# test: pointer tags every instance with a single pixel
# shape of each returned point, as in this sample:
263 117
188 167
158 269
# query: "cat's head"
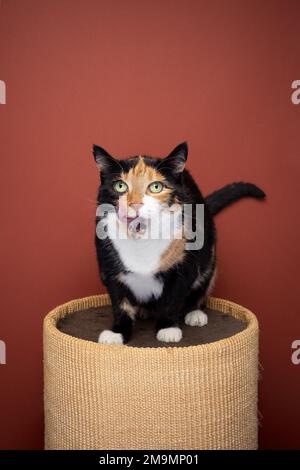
141 187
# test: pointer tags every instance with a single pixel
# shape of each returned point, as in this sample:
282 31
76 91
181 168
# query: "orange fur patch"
138 180
128 308
174 254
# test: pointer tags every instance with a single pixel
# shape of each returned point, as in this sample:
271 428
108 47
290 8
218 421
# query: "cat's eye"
120 187
156 187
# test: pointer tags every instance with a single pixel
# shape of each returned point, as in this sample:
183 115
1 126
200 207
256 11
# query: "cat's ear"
176 160
105 162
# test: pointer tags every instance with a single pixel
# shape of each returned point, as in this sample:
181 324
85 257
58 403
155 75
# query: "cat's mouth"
135 224
129 220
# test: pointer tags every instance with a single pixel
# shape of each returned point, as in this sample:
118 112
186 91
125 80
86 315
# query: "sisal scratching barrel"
120 397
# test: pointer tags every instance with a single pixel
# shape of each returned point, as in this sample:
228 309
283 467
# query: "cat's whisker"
92 201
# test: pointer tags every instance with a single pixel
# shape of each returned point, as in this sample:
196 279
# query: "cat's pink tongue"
124 215
129 220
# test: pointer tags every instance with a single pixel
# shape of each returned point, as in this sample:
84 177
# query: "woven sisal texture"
119 397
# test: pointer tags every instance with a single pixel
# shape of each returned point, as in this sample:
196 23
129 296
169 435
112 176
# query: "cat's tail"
223 197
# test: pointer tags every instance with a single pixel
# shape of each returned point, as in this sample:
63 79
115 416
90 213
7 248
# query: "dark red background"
140 77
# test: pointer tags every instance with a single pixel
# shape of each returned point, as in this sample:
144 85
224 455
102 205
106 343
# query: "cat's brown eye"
120 187
156 187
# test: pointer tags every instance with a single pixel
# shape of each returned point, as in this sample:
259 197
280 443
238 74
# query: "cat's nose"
134 209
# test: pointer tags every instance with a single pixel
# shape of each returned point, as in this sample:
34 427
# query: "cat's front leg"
168 309
121 330
124 313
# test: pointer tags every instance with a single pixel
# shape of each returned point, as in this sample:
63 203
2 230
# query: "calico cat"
157 274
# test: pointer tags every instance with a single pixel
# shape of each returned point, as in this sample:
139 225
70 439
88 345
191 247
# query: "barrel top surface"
224 306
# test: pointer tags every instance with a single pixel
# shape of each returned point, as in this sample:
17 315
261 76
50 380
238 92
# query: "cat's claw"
110 337
169 335
196 318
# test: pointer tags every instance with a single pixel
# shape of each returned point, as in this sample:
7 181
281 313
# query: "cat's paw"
196 318
110 337
169 335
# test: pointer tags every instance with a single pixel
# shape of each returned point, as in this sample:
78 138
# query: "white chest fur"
141 257
143 287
